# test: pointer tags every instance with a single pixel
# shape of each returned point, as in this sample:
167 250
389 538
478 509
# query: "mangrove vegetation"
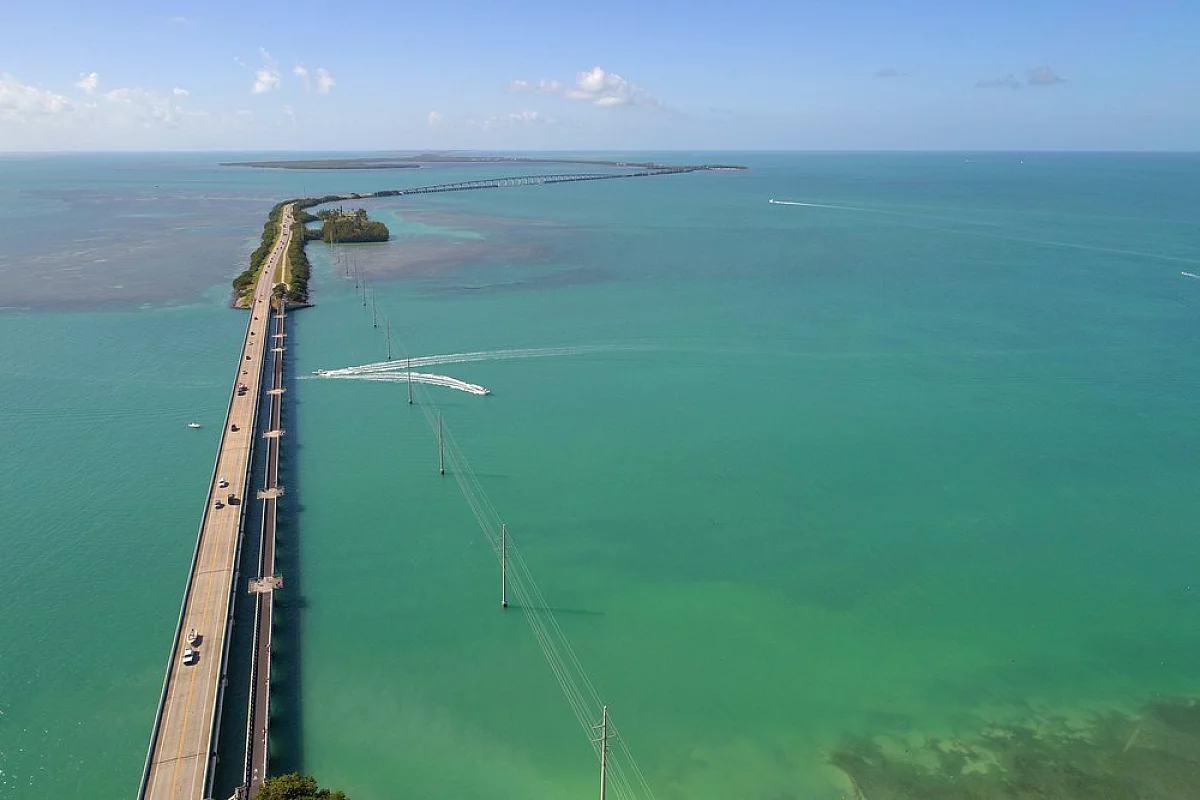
295 786
243 284
351 227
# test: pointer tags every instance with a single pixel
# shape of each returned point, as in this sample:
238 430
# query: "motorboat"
193 424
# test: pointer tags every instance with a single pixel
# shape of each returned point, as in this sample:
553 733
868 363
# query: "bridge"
516 180
182 755
258 720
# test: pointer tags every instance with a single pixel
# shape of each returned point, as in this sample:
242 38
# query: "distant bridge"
518 180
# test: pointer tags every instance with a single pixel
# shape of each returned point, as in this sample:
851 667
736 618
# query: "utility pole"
409 378
441 448
374 316
503 565
603 741
389 346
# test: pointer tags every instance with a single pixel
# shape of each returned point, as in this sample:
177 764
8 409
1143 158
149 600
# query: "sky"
607 75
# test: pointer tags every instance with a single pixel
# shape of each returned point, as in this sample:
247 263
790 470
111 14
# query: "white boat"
193 424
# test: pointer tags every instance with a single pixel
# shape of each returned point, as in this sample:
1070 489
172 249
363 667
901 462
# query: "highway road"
180 760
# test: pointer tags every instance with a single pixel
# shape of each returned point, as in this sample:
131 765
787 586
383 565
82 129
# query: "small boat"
193 424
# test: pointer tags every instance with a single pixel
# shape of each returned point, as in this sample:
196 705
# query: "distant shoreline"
415 162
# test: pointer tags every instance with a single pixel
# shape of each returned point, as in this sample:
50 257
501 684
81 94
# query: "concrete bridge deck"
181 757
258 726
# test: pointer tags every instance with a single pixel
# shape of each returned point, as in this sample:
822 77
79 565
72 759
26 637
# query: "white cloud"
596 86
320 79
301 72
541 87
1038 76
22 103
88 81
239 62
435 119
1009 81
145 106
35 118
1043 76
516 118
325 81
266 78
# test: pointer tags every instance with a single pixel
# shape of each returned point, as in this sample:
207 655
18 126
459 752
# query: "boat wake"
1189 275
416 377
820 205
400 371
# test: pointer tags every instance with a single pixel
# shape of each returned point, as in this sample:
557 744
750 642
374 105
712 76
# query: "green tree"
295 786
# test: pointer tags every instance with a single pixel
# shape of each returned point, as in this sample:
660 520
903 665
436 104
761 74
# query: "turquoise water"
909 461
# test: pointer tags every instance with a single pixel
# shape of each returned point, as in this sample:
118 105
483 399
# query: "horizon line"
443 151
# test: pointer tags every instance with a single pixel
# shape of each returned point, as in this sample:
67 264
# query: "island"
338 226
342 227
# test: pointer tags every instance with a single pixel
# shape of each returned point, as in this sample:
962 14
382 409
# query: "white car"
190 657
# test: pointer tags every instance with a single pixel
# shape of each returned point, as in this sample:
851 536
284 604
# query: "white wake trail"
821 205
417 377
397 370
400 365
404 364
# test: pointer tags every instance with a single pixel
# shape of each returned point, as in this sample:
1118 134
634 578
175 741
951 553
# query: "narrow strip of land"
180 760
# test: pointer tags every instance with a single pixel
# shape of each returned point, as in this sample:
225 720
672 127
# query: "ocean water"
910 458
